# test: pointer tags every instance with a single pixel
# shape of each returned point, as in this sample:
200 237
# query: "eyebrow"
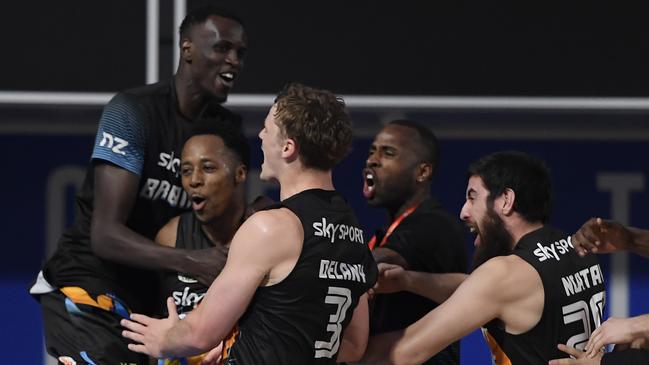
470 192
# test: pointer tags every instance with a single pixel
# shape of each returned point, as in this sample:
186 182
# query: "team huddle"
168 262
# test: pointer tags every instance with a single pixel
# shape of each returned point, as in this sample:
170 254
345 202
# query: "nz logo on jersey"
113 143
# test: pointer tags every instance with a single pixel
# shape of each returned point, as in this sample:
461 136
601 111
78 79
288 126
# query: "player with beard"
420 236
536 293
104 264
297 273
213 167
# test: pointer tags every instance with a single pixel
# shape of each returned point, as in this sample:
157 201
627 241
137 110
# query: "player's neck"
222 229
519 227
190 98
296 181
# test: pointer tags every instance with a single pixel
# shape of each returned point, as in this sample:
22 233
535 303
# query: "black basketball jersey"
142 131
573 305
186 291
301 319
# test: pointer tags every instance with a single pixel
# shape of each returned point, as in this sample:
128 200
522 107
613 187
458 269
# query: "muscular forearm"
181 340
436 287
119 244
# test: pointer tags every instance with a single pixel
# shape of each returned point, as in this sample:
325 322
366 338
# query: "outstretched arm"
249 263
618 331
604 236
436 287
115 195
475 302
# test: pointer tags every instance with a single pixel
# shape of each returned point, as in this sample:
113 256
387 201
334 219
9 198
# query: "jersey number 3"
342 298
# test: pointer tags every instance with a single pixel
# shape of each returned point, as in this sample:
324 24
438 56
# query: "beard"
495 240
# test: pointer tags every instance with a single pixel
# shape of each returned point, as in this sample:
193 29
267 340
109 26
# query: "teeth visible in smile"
228 76
472 229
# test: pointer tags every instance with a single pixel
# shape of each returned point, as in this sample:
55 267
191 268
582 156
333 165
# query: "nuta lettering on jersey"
337 231
554 250
582 280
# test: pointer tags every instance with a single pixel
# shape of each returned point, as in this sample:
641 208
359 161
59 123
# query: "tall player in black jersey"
213 166
297 274
530 290
100 270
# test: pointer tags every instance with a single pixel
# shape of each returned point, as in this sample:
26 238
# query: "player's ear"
424 172
186 47
289 150
240 174
508 200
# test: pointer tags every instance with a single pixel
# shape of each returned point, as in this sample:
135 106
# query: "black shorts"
84 333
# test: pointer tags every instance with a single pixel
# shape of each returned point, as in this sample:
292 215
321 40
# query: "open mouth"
198 202
227 78
474 230
368 184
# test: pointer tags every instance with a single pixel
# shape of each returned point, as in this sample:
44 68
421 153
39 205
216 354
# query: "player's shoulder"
272 220
506 268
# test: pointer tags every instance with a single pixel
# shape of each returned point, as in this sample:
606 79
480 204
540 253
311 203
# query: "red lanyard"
392 227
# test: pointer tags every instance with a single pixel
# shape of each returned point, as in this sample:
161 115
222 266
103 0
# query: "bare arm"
475 302
250 263
115 195
354 341
436 287
618 331
603 236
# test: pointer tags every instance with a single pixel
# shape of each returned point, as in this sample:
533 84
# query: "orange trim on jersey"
498 356
80 296
392 227
228 342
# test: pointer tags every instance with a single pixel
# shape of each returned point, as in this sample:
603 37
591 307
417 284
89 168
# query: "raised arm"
250 264
436 287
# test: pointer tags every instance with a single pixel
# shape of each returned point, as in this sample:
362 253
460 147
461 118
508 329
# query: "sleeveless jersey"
573 305
186 291
141 131
301 319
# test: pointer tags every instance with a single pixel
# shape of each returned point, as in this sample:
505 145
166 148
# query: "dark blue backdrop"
30 161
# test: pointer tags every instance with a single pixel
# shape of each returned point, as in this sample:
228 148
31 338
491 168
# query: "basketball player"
297 273
213 167
101 269
530 290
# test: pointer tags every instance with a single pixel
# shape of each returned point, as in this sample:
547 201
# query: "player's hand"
391 279
613 331
601 236
580 357
214 356
149 333
207 263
